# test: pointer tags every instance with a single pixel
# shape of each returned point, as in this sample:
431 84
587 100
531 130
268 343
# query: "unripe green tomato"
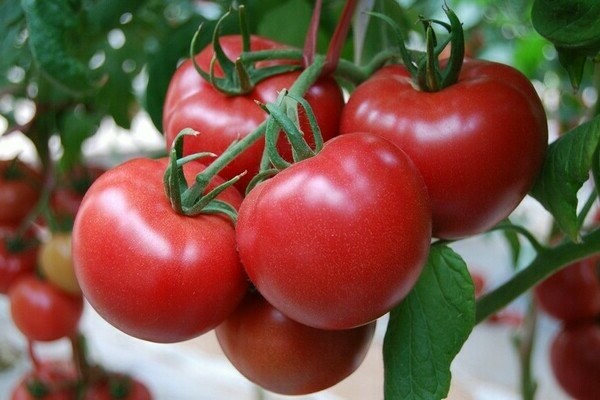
56 263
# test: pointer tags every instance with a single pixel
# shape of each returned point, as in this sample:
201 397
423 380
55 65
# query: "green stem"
542 266
537 246
525 344
305 80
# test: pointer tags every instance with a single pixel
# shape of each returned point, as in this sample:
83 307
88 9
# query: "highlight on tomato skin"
286 357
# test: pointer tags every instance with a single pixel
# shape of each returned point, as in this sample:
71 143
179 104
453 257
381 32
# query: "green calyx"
241 75
425 68
190 200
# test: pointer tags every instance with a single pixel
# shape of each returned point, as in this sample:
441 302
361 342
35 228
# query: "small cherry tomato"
18 256
286 357
573 293
20 187
43 312
575 359
118 387
48 381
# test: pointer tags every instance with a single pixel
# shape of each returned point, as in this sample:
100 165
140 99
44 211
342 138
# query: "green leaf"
54 29
427 330
287 22
566 168
572 26
568 23
514 245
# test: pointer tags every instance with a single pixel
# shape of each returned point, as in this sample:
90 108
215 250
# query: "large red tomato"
18 256
335 241
20 187
286 357
147 270
42 312
192 102
575 360
479 143
573 293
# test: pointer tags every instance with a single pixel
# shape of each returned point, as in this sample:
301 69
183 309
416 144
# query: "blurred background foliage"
74 63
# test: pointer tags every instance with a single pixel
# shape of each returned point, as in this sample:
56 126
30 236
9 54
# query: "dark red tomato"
479 143
575 360
43 312
118 387
335 241
149 271
286 357
49 381
20 187
573 293
192 102
18 256
66 198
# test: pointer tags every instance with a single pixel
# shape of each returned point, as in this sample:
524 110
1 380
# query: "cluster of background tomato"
37 276
572 296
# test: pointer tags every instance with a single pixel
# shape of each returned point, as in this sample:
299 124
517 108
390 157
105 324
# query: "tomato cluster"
572 296
324 247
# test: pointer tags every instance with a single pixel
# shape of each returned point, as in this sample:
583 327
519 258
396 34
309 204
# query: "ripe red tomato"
16 261
149 271
58 380
286 357
479 143
43 312
575 360
118 387
20 187
337 240
191 102
573 293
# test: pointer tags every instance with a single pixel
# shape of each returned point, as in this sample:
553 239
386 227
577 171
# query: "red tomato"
575 360
41 311
479 143
149 271
337 240
66 198
118 387
16 261
57 380
573 293
286 357
20 187
191 102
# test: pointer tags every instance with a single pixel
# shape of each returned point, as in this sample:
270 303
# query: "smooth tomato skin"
337 240
43 312
287 357
102 391
575 360
191 102
14 264
20 188
56 263
573 293
479 143
150 272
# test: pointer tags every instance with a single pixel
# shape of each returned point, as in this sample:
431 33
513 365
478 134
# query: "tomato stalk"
190 199
240 75
543 265
426 71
